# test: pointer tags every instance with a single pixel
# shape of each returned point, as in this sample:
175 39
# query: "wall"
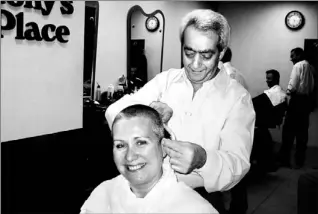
42 82
111 48
260 41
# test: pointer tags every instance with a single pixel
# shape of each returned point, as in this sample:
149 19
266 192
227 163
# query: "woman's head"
137 133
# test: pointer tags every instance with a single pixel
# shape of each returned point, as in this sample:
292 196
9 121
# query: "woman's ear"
164 154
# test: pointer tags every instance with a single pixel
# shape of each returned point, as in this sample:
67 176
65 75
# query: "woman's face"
137 151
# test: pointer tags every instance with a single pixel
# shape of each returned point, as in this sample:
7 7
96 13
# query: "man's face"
293 57
137 151
200 54
270 80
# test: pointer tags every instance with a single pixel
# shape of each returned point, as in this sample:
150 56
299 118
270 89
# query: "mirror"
90 44
145 40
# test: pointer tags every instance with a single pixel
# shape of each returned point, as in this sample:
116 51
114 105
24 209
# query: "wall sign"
31 31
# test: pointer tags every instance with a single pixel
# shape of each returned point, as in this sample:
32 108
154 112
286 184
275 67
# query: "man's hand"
163 109
184 156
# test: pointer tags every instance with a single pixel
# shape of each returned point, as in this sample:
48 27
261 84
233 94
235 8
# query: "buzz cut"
144 111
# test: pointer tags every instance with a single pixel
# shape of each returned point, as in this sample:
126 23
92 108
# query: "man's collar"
220 80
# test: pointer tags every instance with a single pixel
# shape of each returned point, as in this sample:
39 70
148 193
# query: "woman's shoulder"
99 199
189 201
107 186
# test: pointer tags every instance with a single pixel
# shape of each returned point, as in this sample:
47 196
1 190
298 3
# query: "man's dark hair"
139 110
275 74
227 56
299 52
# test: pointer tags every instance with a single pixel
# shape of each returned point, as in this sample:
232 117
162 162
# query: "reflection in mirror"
90 43
145 38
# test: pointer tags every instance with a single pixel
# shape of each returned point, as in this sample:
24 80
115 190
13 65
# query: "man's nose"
197 61
131 154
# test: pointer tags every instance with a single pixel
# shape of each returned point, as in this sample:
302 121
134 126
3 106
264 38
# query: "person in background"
211 115
145 184
270 108
268 104
230 70
299 90
275 93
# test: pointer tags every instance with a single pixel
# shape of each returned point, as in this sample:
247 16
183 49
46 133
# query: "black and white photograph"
159 107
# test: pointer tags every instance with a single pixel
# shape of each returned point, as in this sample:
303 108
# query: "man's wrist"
202 158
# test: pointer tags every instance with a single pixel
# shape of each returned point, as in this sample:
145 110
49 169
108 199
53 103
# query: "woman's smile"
133 168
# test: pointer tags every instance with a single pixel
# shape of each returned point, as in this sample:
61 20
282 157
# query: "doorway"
311 55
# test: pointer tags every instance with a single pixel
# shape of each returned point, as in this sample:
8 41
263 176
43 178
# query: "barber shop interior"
159 107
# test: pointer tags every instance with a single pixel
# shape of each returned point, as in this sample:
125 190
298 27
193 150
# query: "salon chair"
267 117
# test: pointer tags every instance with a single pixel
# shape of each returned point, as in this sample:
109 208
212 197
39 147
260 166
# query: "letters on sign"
30 30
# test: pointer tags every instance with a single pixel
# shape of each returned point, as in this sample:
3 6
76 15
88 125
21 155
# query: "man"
299 89
145 184
211 115
270 108
274 92
268 104
230 70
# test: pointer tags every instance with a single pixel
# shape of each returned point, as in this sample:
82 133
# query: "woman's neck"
142 190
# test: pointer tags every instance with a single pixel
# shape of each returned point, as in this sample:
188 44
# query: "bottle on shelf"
98 93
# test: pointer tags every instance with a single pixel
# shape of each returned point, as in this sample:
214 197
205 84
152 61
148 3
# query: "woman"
145 183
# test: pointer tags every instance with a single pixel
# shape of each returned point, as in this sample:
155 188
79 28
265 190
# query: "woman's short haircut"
144 111
207 20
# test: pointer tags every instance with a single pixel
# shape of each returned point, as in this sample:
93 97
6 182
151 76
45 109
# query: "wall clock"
152 23
294 20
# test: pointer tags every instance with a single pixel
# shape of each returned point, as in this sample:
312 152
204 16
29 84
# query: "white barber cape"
167 196
276 95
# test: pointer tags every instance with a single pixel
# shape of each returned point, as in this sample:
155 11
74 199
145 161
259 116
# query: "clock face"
152 23
294 20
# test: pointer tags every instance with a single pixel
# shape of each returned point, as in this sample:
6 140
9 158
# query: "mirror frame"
129 15
94 4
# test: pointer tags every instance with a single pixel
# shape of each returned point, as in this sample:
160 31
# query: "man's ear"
222 53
